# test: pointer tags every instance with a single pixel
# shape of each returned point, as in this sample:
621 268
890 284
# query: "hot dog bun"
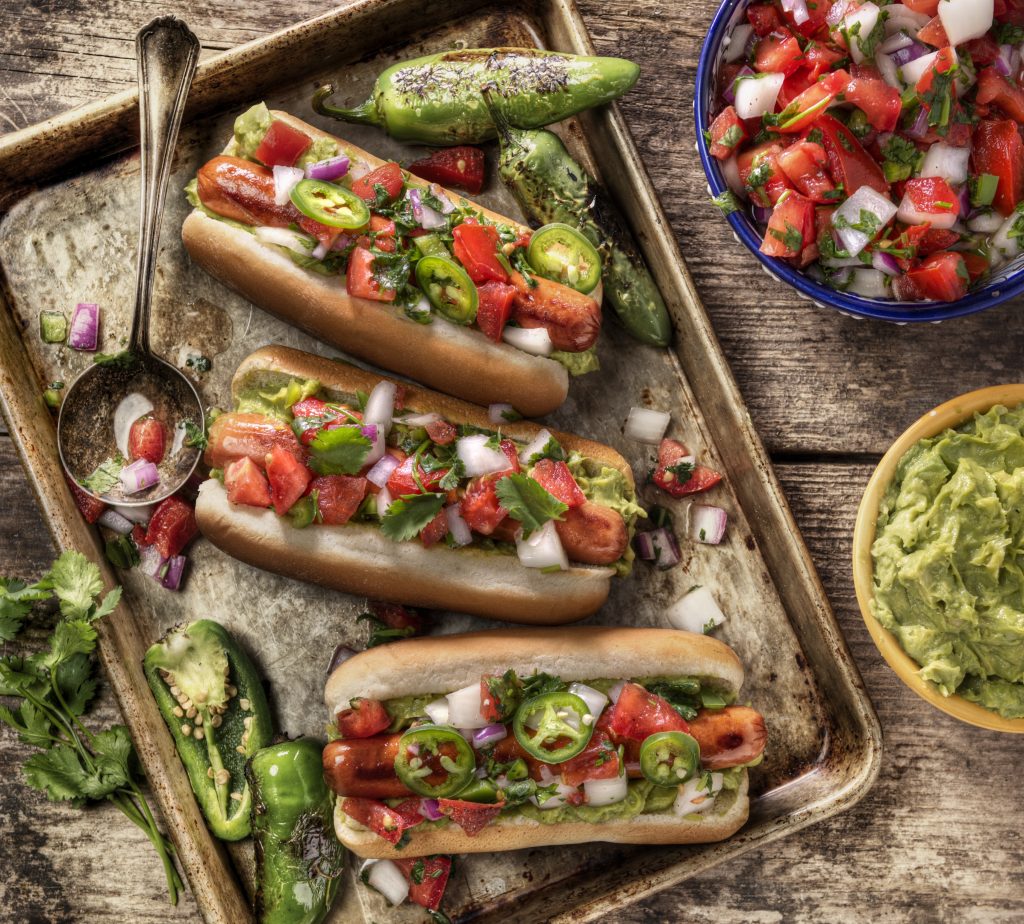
440 664
359 559
458 360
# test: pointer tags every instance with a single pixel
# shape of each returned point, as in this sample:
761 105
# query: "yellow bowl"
950 414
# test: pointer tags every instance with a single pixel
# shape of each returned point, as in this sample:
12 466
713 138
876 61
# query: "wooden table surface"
939 836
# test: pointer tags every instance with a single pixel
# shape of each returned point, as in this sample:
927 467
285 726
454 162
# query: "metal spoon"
166 52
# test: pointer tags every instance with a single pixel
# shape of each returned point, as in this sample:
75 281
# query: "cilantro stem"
163 847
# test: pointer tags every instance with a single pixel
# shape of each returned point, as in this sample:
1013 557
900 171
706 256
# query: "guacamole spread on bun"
949 559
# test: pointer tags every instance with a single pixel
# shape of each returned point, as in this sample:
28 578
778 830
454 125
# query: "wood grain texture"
938 838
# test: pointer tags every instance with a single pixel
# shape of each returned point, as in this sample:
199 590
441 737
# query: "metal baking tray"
69 195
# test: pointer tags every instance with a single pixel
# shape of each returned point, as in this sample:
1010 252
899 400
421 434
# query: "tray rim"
69 530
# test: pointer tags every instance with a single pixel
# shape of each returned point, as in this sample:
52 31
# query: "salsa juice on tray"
878 143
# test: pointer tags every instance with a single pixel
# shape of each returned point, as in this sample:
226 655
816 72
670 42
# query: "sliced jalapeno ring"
448 288
558 251
555 738
429 750
669 758
330 204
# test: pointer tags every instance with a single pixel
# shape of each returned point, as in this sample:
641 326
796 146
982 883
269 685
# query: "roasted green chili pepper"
436 99
551 187
212 700
299 861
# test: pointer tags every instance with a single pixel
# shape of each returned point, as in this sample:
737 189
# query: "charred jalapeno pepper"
669 758
561 253
434 751
448 288
299 861
330 204
436 99
212 700
551 187
546 728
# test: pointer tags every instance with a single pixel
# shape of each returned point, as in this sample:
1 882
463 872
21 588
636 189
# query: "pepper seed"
222 776
192 712
178 712
215 721
240 749
186 730
209 772
175 691
245 704
232 691
199 719
199 734
237 796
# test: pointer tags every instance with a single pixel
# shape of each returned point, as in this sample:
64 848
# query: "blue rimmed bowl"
1004 285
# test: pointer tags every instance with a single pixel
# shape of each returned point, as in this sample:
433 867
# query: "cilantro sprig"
47 693
528 502
409 514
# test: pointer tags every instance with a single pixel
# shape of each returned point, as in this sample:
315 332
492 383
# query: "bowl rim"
950 414
989 296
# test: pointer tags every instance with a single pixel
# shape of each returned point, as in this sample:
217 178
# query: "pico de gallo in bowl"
870 152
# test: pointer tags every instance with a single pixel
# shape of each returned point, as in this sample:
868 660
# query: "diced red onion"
501 413
543 549
285 180
301 244
659 546
447 207
885 263
964 197
762 215
431 809
111 519
646 426
458 527
424 214
85 328
150 561
895 43
386 878
535 340
384 501
695 611
488 735
707 523
420 420
1004 62
330 169
920 127
379 448
370 431
799 10
382 469
380 406
174 572
836 12
140 514
841 278
478 458
129 409
341 654
342 241
909 52
138 476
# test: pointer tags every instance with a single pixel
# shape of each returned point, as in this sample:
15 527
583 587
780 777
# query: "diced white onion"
646 426
986 223
438 711
386 878
731 172
131 408
478 458
905 19
420 420
378 448
141 514
595 699
535 445
861 21
381 471
543 549
559 798
909 215
501 413
964 20
458 527
616 690
869 283
864 199
111 519
890 73
464 707
606 792
913 71
895 43
284 237
694 801
380 406
757 95
695 611
285 180
1003 246
384 501
948 162
535 340
736 42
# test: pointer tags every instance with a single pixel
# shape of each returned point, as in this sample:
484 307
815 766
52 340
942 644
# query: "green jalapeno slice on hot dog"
553 727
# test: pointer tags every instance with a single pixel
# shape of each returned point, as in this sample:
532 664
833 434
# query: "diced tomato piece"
803 111
309 407
384 234
476 247
234 435
927 7
383 821
363 719
1004 92
508 449
998 150
1011 11
639 713
804 166
396 616
776 183
428 878
494 308
790 228
764 18
904 289
881 103
942 276
442 432
945 60
387 175
792 87
147 440
934 34
359 278
727 133
338 497
820 59
934 240
282 145
498 698
172 526
932 195
978 264
402 480
90 507
672 452
472 817
288 478
435 530
557 480
480 507
778 53
599 760
461 166
983 51
246 484
849 163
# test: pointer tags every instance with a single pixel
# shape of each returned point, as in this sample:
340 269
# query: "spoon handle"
166 51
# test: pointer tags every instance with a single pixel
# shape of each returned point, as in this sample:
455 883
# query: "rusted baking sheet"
70 190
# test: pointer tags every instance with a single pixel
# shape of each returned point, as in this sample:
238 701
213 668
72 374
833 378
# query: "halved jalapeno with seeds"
669 758
330 204
560 252
448 288
434 761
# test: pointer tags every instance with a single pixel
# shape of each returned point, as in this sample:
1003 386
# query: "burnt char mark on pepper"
511 73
